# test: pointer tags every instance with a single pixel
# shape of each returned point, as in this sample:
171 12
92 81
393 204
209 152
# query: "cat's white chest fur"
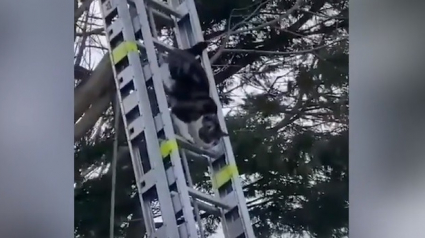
190 131
194 128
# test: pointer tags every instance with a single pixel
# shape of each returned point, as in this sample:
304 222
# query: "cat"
197 121
193 111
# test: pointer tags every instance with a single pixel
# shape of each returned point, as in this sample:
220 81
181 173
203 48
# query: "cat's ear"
198 48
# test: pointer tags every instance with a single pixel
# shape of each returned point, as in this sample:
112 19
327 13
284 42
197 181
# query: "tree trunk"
91 116
100 81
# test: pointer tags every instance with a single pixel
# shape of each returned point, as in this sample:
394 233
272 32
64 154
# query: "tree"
289 130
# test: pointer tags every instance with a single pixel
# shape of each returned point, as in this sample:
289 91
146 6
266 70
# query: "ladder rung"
158 224
130 102
161 46
207 198
192 156
189 146
203 206
136 127
161 232
165 7
163 16
208 208
147 181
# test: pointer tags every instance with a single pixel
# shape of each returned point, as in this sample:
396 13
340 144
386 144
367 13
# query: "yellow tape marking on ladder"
224 175
122 50
167 147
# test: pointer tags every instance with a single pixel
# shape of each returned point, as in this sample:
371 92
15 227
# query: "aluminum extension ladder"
158 155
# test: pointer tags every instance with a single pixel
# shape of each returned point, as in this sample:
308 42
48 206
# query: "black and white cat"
194 112
187 78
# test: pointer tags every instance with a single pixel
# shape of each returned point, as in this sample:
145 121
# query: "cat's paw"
189 138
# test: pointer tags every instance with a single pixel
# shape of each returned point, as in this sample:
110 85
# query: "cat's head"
210 131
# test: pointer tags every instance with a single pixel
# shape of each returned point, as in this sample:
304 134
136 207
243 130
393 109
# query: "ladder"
158 155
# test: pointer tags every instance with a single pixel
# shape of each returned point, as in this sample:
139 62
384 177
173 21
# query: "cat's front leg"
183 129
184 132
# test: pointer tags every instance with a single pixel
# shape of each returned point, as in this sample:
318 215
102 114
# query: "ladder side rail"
135 76
166 118
188 36
182 28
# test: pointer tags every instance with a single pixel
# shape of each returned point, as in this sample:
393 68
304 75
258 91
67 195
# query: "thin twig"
296 6
264 52
79 12
83 42
230 30
324 15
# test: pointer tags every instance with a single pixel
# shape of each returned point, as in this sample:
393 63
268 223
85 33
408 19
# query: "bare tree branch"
96 31
296 6
230 30
323 15
269 44
75 23
82 47
264 52
290 117
80 11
